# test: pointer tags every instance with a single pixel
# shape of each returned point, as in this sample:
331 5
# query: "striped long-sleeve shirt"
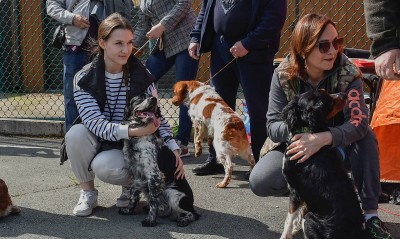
107 124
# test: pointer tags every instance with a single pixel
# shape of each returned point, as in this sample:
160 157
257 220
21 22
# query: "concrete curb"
29 127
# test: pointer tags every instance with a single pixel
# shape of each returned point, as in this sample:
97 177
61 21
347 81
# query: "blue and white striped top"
107 125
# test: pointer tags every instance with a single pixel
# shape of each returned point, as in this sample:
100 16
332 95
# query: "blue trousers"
73 62
255 80
185 69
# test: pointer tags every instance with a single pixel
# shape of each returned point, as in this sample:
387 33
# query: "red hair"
305 36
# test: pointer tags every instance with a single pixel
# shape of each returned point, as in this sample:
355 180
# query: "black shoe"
247 175
376 229
209 168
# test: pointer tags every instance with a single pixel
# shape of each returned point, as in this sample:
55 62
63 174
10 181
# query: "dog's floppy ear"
180 91
339 100
291 114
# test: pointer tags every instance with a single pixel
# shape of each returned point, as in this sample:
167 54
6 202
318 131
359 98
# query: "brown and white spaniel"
6 205
212 116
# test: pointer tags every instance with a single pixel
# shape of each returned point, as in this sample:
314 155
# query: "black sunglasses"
325 45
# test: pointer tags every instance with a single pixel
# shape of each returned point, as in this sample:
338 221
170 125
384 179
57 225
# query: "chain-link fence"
31 70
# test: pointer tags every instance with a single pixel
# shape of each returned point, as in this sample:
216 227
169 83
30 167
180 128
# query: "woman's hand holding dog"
180 171
305 145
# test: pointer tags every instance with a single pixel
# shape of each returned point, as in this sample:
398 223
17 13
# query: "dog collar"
303 130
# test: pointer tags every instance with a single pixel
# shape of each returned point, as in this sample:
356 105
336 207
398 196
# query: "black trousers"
255 80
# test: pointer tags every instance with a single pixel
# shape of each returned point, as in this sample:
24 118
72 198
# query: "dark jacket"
383 25
263 32
94 80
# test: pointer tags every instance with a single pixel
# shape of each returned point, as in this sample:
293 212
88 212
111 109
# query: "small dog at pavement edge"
6 205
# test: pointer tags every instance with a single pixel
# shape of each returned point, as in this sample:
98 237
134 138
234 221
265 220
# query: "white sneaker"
87 201
125 198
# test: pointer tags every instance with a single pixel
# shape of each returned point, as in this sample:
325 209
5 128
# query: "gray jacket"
383 25
178 18
355 113
61 10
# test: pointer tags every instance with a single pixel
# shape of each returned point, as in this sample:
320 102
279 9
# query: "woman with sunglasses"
315 62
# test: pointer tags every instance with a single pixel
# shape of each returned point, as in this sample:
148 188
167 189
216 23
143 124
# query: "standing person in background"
81 19
170 22
248 30
383 27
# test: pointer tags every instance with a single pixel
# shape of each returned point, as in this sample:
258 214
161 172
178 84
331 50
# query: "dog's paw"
15 210
198 152
125 211
185 219
182 222
221 185
149 223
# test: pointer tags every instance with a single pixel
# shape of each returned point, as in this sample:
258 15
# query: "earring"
305 63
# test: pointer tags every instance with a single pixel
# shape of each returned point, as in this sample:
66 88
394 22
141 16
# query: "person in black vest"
248 30
100 92
81 19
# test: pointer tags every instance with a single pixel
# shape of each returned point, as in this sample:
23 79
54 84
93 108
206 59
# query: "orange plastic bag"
386 125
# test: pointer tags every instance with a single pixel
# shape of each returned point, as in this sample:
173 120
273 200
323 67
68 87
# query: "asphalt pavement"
47 193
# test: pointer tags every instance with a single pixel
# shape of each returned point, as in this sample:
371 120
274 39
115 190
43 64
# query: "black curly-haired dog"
145 156
322 198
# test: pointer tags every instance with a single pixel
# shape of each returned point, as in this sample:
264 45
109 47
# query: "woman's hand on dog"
305 145
180 171
142 131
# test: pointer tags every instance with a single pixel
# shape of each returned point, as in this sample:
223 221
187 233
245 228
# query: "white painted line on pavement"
26 147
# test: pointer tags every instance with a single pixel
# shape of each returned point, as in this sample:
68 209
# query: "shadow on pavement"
107 223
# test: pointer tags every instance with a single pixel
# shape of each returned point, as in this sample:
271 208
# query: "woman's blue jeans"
73 62
185 69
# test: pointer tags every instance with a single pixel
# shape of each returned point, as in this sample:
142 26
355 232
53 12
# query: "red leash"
389 212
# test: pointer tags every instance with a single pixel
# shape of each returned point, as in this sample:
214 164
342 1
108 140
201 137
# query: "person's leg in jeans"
159 65
73 62
226 84
185 69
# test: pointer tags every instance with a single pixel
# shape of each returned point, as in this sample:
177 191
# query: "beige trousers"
82 146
